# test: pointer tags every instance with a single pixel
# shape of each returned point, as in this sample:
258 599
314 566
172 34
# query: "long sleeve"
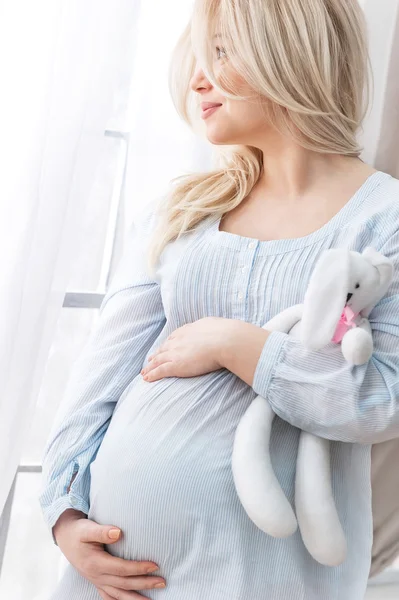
321 393
131 318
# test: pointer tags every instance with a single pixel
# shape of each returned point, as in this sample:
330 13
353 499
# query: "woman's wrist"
70 514
227 346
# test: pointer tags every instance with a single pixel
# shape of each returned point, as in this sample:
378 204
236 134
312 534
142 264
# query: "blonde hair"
307 57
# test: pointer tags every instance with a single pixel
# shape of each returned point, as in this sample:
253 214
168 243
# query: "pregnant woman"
145 440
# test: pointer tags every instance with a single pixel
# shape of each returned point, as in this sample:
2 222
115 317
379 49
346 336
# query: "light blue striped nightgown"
155 458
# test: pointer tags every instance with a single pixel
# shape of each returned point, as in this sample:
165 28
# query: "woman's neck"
292 173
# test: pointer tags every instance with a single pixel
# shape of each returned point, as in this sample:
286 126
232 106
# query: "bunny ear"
325 298
385 270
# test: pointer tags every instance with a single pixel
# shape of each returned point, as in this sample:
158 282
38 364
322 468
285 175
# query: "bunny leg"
317 515
257 486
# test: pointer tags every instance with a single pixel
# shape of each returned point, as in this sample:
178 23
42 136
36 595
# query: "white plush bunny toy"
343 289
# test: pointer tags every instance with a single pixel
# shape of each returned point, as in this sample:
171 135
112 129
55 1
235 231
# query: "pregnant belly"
163 471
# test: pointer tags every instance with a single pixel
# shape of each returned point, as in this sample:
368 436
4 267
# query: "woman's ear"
385 270
325 298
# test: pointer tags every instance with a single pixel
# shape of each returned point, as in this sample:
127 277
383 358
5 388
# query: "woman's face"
231 121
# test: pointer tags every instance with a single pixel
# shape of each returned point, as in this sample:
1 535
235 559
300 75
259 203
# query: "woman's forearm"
242 348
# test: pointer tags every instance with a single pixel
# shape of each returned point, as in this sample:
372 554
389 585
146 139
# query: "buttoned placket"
244 270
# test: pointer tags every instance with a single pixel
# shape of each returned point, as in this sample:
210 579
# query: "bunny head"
342 278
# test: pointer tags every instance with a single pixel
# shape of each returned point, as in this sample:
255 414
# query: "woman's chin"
219 138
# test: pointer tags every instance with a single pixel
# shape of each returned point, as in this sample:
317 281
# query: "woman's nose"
198 81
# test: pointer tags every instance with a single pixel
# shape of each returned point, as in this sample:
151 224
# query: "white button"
251 244
243 268
240 295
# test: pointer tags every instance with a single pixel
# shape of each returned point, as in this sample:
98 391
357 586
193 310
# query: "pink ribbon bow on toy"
346 322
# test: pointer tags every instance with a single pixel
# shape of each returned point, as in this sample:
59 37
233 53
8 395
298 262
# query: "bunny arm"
285 320
256 484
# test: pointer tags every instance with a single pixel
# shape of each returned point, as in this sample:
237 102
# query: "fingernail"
114 533
159 585
152 569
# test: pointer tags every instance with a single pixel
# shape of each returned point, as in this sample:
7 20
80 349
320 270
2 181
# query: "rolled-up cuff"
268 360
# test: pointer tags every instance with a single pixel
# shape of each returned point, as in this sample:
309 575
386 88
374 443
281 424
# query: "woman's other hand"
82 541
193 349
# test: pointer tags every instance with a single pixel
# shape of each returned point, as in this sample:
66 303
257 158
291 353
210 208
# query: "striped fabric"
155 458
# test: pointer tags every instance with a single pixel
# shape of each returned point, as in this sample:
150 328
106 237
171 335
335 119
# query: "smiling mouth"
208 111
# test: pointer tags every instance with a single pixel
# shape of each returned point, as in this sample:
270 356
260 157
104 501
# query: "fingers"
151 358
158 372
90 531
158 359
158 367
99 565
134 583
160 350
162 347
116 594
112 565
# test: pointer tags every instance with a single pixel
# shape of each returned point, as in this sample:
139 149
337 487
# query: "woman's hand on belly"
192 350
82 541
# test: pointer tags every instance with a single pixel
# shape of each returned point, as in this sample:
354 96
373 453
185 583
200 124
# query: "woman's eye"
220 52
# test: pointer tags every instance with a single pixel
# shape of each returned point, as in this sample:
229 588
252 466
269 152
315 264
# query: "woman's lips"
209 111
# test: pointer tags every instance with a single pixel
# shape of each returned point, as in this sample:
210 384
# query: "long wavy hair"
308 58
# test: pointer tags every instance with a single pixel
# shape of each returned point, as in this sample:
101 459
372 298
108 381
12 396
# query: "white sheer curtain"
60 62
